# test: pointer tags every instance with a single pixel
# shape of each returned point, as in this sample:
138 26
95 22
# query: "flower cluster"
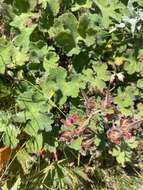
81 130
124 130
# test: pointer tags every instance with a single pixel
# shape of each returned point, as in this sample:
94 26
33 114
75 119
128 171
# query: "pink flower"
70 120
79 130
127 136
117 141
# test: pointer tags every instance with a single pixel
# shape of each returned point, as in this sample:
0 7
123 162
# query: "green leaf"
76 144
4 120
65 39
81 4
126 111
33 126
65 31
44 3
54 6
6 51
133 143
109 10
5 89
65 22
101 70
19 57
51 82
57 74
23 39
51 59
88 26
20 21
19 117
32 4
97 141
10 136
140 2
123 99
4 187
21 6
70 88
35 144
121 158
26 161
38 118
100 84
133 66
140 83
140 109
36 112
69 22
51 142
132 90
2 66
75 51
97 76
17 184
45 121
84 22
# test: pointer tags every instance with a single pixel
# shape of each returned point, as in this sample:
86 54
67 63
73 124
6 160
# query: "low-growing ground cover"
71 94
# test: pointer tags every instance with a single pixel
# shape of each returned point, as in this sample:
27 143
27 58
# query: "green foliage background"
50 52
